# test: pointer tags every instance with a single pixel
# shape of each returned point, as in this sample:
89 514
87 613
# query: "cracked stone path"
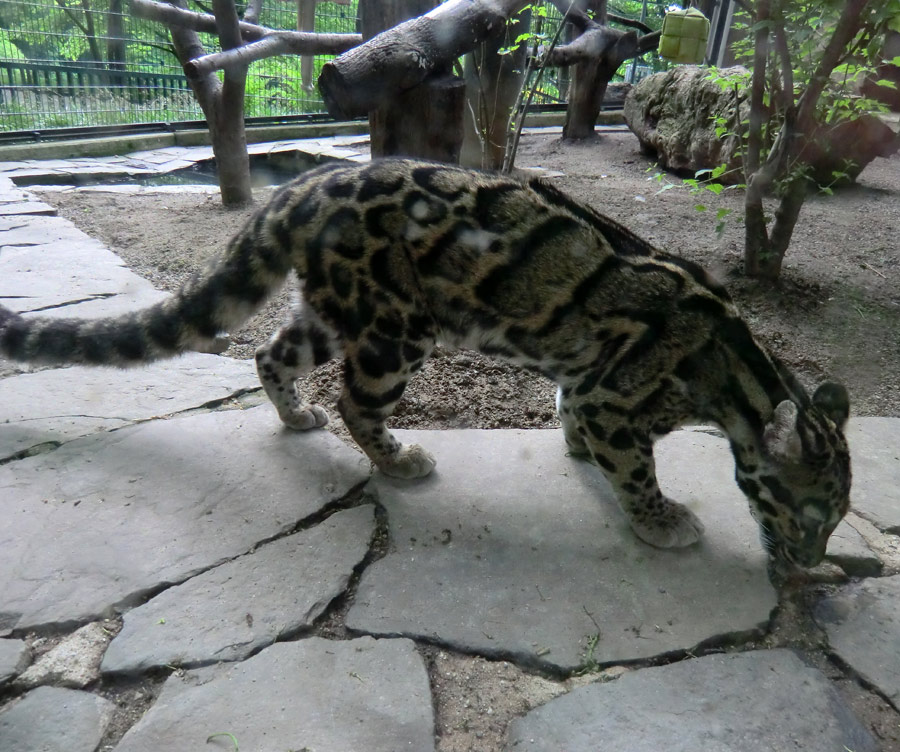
226 542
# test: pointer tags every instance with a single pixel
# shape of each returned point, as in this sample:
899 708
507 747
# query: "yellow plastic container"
684 35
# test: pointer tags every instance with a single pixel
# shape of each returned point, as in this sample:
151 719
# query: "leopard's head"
799 490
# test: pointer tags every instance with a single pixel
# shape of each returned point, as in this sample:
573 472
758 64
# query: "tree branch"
787 68
847 26
648 42
251 13
405 55
227 24
309 44
630 22
591 45
72 17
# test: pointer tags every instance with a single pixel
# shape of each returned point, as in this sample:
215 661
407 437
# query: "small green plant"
704 182
589 664
224 733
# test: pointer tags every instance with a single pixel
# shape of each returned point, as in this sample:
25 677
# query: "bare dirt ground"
835 314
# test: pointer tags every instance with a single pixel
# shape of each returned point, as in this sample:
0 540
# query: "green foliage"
807 28
57 34
704 182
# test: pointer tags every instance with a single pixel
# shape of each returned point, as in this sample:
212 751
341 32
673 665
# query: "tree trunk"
405 55
590 78
229 137
426 119
115 38
493 83
306 21
222 104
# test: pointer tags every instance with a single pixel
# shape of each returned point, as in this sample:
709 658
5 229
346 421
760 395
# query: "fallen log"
401 57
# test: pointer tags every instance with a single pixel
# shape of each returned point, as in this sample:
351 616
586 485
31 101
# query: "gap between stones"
790 625
237 400
77 301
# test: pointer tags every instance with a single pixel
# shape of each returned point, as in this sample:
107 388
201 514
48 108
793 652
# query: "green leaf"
700 207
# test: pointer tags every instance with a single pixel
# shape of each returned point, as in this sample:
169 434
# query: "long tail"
253 267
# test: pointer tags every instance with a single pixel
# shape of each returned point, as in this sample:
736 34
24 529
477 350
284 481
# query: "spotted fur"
399 254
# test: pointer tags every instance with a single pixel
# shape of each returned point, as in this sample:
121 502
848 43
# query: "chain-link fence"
70 63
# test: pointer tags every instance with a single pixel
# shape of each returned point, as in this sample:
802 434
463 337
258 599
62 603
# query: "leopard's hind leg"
574 439
296 349
625 455
376 371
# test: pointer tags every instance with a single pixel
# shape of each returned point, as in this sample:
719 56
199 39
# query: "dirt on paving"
834 314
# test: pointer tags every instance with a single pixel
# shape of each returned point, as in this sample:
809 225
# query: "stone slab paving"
27 207
104 519
875 449
14 659
169 159
233 610
44 263
514 548
536 540
318 695
862 621
52 719
62 404
763 701
74 662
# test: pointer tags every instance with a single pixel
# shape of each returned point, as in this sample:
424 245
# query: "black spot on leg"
604 462
341 280
321 347
412 353
379 356
596 430
375 401
277 351
621 439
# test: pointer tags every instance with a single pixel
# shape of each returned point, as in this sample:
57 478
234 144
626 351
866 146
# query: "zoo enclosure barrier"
75 63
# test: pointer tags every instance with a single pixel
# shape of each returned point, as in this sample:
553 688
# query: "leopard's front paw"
304 417
675 526
411 461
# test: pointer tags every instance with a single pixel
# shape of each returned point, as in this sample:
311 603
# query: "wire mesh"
72 63
67 63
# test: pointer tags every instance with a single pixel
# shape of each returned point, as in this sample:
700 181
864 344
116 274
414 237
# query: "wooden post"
422 121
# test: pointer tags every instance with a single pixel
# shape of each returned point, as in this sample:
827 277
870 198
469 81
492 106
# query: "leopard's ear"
832 399
780 436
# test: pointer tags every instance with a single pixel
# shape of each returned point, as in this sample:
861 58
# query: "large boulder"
672 114
675 114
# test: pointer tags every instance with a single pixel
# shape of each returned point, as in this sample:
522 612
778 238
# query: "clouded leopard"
397 255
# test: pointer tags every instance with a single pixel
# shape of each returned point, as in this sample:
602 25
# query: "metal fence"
66 63
71 63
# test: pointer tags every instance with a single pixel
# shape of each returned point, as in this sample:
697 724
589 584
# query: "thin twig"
510 156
